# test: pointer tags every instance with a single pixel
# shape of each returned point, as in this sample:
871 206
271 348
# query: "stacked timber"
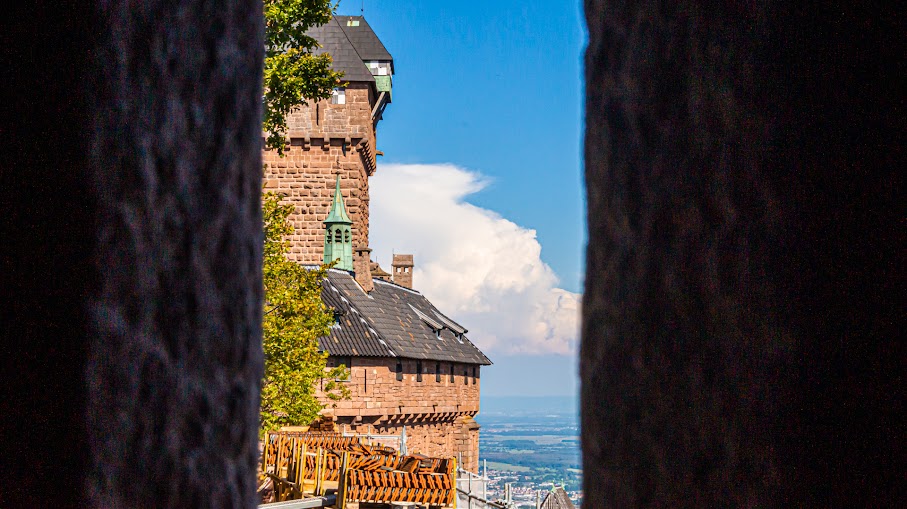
296 464
428 481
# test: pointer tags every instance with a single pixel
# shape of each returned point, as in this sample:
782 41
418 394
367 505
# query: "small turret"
338 234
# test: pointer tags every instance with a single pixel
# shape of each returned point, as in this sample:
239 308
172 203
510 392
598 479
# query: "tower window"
418 371
437 372
474 375
465 376
399 371
338 96
451 373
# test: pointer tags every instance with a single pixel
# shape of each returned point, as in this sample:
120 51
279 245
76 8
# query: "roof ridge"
345 34
395 285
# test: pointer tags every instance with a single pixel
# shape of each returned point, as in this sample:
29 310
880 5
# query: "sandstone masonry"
437 408
325 139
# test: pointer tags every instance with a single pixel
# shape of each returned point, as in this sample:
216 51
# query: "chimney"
362 268
403 270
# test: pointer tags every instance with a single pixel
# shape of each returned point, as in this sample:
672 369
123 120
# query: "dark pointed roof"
391 321
346 59
557 499
364 38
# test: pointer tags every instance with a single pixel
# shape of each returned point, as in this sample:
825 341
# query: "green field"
507 466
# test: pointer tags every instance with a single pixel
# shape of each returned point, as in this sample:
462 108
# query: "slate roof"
364 39
557 499
387 323
346 59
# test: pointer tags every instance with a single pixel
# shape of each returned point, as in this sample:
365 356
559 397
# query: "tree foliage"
292 73
294 318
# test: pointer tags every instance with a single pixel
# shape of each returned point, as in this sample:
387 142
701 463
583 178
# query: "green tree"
294 318
292 73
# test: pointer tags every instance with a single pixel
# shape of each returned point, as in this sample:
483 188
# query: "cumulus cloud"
477 267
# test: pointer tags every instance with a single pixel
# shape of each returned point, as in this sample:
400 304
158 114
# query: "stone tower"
334 136
338 241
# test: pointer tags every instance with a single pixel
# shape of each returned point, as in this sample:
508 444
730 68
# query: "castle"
410 365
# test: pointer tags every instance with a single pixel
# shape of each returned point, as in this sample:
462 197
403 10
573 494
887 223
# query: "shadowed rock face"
740 312
137 254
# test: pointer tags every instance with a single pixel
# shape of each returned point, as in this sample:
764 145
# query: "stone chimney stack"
403 269
362 268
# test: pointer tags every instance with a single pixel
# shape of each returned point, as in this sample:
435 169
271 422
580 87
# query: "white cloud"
474 265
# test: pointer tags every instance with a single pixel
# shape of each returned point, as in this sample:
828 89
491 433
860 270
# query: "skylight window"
450 324
431 322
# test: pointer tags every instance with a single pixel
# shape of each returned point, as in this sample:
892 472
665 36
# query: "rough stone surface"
175 359
140 335
743 170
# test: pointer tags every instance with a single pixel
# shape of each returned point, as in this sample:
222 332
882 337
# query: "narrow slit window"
465 376
418 371
474 376
451 372
399 371
346 362
437 372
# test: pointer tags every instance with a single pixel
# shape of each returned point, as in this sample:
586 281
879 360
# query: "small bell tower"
338 234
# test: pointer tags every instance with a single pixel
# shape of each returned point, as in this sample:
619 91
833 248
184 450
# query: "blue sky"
493 89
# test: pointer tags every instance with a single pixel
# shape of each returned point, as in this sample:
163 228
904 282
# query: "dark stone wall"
744 281
132 238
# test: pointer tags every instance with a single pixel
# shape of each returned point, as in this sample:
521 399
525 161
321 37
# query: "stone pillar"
362 268
131 254
402 266
744 173
467 440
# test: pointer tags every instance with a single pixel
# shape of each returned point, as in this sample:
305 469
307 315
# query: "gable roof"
334 40
391 321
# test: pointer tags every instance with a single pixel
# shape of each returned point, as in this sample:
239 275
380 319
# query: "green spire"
338 234
338 215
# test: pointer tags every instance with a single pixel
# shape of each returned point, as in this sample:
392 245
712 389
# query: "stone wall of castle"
325 139
438 415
